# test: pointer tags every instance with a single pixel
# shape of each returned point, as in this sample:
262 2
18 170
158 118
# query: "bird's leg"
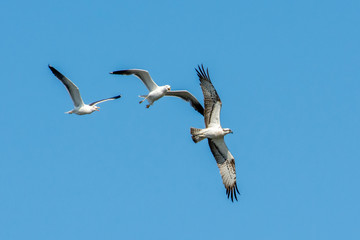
143 100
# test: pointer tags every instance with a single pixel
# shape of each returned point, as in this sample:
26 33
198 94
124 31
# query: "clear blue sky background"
287 73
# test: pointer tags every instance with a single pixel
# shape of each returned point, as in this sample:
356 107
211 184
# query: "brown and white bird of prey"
215 133
80 107
156 92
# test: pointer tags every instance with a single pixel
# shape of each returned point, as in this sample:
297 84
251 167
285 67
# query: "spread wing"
104 100
212 100
70 86
143 75
187 96
226 164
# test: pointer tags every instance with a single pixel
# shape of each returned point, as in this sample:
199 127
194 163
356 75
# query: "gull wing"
226 165
104 100
187 96
70 86
212 100
143 75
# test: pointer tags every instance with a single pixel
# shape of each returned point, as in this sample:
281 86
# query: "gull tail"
195 132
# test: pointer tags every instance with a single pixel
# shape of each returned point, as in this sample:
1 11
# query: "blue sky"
287 73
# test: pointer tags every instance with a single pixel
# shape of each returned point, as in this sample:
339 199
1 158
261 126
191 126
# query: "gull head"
227 130
168 88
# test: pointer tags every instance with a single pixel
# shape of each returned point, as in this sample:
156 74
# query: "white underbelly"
83 110
213 133
155 95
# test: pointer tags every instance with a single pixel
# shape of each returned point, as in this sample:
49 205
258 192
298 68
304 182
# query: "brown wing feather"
226 165
211 98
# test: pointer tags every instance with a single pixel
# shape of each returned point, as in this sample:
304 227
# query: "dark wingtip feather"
116 97
201 110
197 72
237 189
198 107
56 72
122 72
231 192
51 67
202 73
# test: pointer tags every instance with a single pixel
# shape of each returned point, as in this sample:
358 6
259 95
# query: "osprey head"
227 130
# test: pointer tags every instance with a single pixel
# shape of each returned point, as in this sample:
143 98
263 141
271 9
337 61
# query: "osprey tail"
195 132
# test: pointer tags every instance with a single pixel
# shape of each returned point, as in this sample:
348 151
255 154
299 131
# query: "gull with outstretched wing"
156 92
80 107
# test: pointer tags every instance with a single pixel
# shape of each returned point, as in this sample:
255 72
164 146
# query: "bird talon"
147 106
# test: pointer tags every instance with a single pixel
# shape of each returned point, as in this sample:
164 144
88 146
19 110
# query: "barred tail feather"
197 139
194 132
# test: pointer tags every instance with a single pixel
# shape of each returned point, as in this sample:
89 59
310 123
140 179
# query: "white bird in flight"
156 92
215 133
80 107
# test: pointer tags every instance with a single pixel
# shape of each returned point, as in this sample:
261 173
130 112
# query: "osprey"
215 133
80 107
156 92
